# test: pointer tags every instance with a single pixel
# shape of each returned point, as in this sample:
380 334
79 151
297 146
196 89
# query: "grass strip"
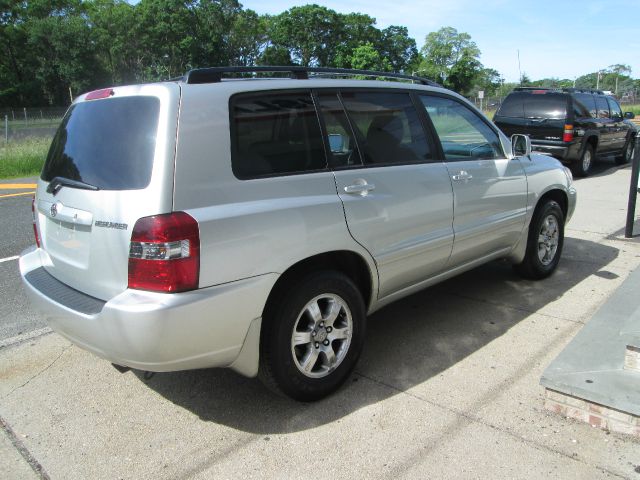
24 157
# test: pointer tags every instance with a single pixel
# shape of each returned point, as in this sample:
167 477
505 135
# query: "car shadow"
408 343
605 165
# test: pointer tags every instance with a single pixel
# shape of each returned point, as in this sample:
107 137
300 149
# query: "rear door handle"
359 187
462 176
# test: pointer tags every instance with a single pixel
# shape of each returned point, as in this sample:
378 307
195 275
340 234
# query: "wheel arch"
348 262
592 140
557 194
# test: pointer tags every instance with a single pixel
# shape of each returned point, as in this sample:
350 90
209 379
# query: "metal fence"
18 123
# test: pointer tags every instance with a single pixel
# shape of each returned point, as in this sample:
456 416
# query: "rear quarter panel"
249 227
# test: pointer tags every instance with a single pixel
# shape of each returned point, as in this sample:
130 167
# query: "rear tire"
312 336
544 243
582 167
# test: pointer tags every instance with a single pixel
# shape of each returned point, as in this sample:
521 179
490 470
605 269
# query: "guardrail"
633 188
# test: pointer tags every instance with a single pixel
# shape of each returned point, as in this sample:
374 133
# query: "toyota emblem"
54 210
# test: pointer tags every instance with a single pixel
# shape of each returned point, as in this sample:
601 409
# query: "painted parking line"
17 186
16 194
8 259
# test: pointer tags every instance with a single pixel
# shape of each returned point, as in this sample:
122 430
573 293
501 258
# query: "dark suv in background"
574 125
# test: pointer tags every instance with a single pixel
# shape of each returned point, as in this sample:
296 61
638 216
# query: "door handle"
359 187
462 176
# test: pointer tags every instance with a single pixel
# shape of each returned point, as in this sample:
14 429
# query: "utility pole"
598 81
519 69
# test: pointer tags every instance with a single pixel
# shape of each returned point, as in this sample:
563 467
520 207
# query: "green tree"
216 43
451 58
398 48
366 57
274 55
116 36
308 32
61 45
247 38
489 81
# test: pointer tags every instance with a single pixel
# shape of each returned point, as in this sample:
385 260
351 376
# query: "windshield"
106 143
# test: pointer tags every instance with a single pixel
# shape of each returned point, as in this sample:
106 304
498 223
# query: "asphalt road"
17 317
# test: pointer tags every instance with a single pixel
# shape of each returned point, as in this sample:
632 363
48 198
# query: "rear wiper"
58 182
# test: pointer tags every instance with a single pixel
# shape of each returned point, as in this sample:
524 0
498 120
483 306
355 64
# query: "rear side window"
585 102
387 127
340 137
534 105
107 143
275 134
603 107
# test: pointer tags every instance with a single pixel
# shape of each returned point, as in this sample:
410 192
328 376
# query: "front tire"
544 243
582 167
627 153
312 336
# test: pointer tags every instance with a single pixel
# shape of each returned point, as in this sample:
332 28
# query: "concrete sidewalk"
447 387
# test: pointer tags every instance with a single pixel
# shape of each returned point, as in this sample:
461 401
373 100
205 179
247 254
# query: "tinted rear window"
534 105
107 143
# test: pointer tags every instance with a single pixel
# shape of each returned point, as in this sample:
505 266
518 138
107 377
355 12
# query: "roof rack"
214 74
560 89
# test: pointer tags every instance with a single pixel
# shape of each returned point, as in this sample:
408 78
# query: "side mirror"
520 145
336 143
629 115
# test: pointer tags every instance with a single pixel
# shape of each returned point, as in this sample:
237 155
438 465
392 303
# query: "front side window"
387 127
603 107
275 134
463 134
616 111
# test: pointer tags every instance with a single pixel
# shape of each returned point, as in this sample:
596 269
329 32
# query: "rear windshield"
107 143
534 105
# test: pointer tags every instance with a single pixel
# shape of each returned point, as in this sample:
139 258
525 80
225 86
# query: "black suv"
574 125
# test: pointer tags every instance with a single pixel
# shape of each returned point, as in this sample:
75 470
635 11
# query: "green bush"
24 157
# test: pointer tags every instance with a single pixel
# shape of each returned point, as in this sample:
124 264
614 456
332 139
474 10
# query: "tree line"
52 50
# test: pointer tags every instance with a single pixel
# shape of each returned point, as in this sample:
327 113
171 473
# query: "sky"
561 38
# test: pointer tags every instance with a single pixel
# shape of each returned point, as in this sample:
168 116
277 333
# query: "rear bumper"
153 331
565 152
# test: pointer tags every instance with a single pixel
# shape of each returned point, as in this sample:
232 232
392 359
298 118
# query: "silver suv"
255 223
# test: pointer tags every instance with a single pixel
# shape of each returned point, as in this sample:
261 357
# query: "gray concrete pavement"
447 387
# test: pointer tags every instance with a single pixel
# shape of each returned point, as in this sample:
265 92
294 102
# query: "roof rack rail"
214 74
560 89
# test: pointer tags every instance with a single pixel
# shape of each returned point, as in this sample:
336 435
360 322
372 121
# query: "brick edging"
594 414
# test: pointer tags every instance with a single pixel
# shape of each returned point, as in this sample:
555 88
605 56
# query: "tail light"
164 253
568 133
35 225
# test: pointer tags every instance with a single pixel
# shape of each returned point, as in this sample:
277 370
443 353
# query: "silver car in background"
255 223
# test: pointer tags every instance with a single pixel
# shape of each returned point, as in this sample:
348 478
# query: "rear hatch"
111 162
541 114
